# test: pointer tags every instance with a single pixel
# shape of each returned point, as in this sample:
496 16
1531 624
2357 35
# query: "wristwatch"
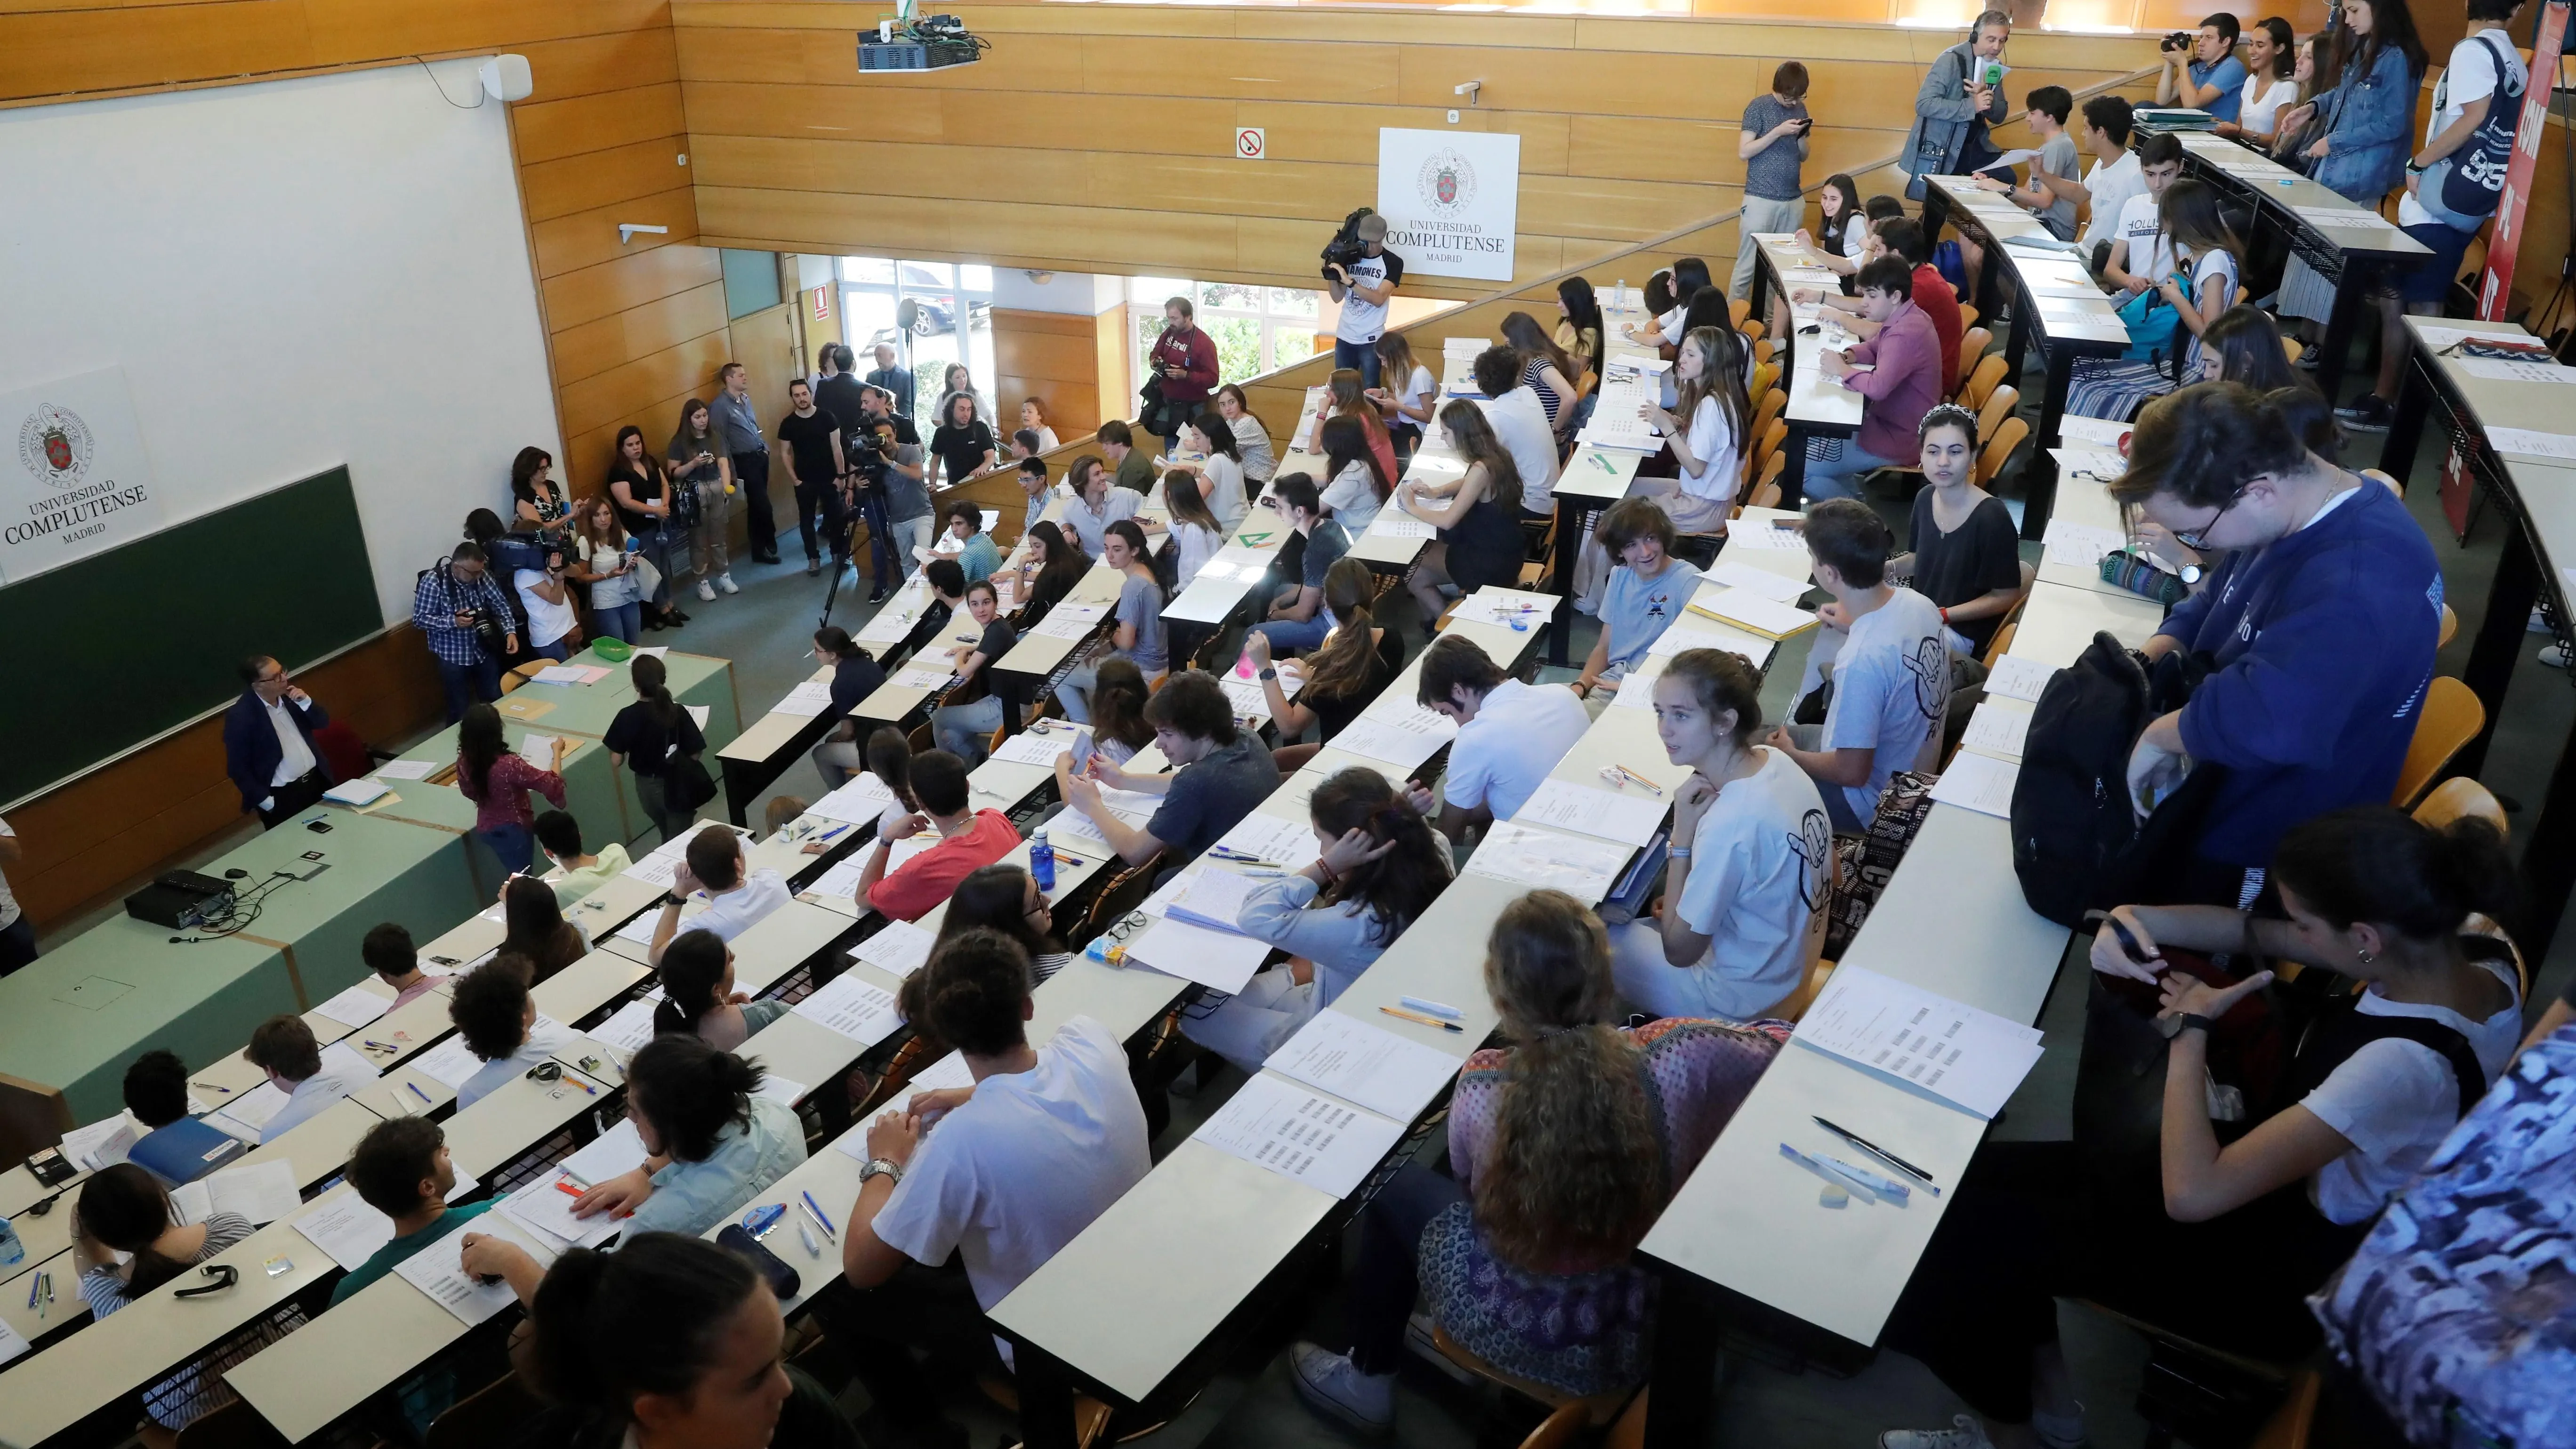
881 1167
1268 673
674 898
2191 574
2174 1026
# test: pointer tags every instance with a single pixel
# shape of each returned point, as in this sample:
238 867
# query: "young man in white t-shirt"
2115 176
1519 421
1891 668
1510 734
1002 1173
1363 289
737 899
2141 255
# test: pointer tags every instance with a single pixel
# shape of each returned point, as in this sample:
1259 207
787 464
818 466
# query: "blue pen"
816 1209
828 834
417 1092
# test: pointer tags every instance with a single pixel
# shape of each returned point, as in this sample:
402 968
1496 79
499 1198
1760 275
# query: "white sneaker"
706 591
2537 623
1334 1389
1418 1341
2554 656
1967 1434
725 584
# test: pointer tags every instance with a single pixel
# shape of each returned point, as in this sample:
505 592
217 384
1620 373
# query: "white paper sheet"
261 1193
1503 608
563 674
100 1144
1075 826
1301 1134
2525 443
1031 748
1581 867
406 769
1978 782
347 1229
2016 677
2092 430
246 1114
1391 1074
926 678
360 791
900 949
654 870
1401 733
448 1063
1631 817
629 1027
809 698
1736 574
1069 620
863 1013
356 1006
1998 728
1618 421
1285 842
860 802
1212 896
437 1271
1748 610
1391 524
2080 545
1220 960
1970 1057
542 1206
1708 634
1771 537
11 1345
2340 216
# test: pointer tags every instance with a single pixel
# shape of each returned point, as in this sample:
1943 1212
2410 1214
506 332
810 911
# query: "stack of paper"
1737 574
1029 747
1618 419
407 769
2081 545
347 1229
2527 443
899 950
542 1204
1301 1134
1755 614
1284 842
360 791
1212 896
100 1143
860 802
563 674
1630 817
1963 1055
863 1013
1978 782
809 698
1998 728
1390 1074
1402 733
1075 826
1544 859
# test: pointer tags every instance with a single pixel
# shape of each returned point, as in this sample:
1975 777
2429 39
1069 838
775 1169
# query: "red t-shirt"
1940 302
924 881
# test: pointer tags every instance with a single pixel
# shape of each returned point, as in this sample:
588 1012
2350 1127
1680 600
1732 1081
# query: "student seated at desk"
968 838
491 774
1006 898
1563 1149
1216 467
1381 867
1220 774
648 739
1118 727
1360 484
1096 503
2196 289
1900 236
1705 431
964 724
537 928
670 1342
856 674
1898 374
698 998
947 595
976 553
497 1020
736 900
1510 734
1344 675
1021 1162
711 1142
1136 631
401 1168
1033 487
1890 664
579 871
1967 551
1479 544
1197 533
389 953
1752 855
2241 1230
888 757
1519 422
1294 621
1647 591
176 1147
283 1047
123 1210
1053 567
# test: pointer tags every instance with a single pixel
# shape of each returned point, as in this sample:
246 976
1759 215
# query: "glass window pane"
1144 323
1293 302
927 274
1154 290
867 269
867 318
1228 297
975 279
1238 346
1290 345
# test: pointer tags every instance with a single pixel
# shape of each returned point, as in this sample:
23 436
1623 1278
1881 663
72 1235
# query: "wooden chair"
2007 437
2291 1425
2292 348
1121 896
1560 1430
1539 574
511 679
1596 1410
1090 1416
1967 316
2002 645
2393 485
1771 405
2452 717
1765 350
2450 626
1998 406
1739 312
1972 353
1766 491
1766 376
2460 796
1817 970
1752 331
1982 381
1767 443
1630 1431
489 1416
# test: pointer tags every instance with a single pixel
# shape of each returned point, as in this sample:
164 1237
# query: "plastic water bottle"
12 1248
1042 862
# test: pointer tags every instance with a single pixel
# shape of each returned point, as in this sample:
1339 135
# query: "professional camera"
1346 247
2179 40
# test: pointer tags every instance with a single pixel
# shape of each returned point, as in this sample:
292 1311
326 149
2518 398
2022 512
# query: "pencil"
1415 1016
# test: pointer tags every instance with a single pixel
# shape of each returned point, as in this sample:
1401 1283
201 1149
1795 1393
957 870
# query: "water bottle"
1042 862
12 1249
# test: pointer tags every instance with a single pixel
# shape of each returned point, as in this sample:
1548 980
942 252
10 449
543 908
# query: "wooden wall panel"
573 298
1055 356
550 130
596 347
600 178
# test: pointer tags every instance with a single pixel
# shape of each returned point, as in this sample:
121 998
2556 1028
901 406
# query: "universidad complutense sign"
1450 199
74 478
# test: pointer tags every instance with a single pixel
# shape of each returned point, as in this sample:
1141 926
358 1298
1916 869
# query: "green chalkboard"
101 655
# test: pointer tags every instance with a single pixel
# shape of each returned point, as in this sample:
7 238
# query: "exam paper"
1503 608
1580 867
2339 216
2525 443
1069 620
247 1113
1773 537
1301 1134
630 1027
563 674
808 699
1755 649
449 1063
1631 817
1219 960
1998 729
11 1345
860 802
2509 369
100 1144
2016 677
1737 574
1403 735
347 1229
655 869
1390 524
1211 896
360 791
356 1006
542 1206
1390 1074
863 1013
1748 610
900 949
406 769
261 1193
2080 545
437 1270
1970 1057
1286 843
1978 782
2100 431
924 678
1075 826
1031 748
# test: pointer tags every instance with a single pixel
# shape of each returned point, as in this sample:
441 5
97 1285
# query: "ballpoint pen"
1872 1148
211 1087
382 1046
1640 779
1419 1018
820 1221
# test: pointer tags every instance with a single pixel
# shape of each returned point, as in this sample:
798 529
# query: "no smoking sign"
1251 143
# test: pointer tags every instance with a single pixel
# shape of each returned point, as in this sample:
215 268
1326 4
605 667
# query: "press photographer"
466 620
1183 368
871 443
1364 274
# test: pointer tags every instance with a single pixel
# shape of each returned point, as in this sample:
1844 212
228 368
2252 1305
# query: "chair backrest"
1765 489
1770 440
1766 375
1981 379
2452 717
1121 896
494 1413
2291 349
1764 350
2450 626
1998 406
1770 407
2460 796
1561 1429
2007 437
1739 311
1753 331
2393 485
1967 315
2002 645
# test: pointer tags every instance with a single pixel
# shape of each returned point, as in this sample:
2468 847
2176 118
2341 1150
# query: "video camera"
1345 248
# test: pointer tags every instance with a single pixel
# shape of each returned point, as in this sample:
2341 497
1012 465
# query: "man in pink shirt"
1900 385
969 840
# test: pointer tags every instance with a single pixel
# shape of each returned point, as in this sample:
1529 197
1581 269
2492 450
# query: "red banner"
2495 289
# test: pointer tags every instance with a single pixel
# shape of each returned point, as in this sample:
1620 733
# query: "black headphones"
224 1275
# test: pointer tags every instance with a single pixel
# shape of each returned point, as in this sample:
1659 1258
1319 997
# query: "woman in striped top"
1545 369
123 1209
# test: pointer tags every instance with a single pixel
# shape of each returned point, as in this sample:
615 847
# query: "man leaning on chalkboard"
268 743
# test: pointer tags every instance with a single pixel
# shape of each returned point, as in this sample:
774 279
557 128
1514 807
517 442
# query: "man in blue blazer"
268 743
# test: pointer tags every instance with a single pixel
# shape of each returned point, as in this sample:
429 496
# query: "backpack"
1869 859
2077 843
2151 321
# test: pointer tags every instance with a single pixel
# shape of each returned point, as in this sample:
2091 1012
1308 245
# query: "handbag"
691 785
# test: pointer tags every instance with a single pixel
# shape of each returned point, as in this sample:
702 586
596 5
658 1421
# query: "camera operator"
1364 274
872 442
466 619
553 628
1184 366
2202 71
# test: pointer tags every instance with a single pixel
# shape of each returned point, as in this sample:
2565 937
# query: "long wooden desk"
1819 406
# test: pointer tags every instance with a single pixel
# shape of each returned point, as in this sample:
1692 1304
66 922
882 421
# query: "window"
1256 329
949 309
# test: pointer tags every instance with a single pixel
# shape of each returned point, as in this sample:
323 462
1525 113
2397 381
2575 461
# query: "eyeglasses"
2197 539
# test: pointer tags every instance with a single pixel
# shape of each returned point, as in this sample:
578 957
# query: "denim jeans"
964 730
514 843
1835 466
1362 355
478 682
1379 1296
17 944
619 621
558 651
656 545
651 791
1294 636
881 560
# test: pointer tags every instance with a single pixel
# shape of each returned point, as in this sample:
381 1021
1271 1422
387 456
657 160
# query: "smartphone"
318 827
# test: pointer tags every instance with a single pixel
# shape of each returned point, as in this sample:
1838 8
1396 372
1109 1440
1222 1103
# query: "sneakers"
706 592
2554 656
2368 413
1418 1341
2538 623
1334 1389
1966 1433
725 583
766 555
881 592
2308 357
813 567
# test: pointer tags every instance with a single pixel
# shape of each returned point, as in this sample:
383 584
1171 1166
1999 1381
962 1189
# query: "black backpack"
2077 844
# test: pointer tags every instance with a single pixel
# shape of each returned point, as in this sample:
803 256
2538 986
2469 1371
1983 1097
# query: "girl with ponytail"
1381 865
698 998
1343 674
1563 1148
711 1144
648 739
2235 1234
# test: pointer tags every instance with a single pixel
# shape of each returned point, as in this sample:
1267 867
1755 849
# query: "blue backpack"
2151 321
